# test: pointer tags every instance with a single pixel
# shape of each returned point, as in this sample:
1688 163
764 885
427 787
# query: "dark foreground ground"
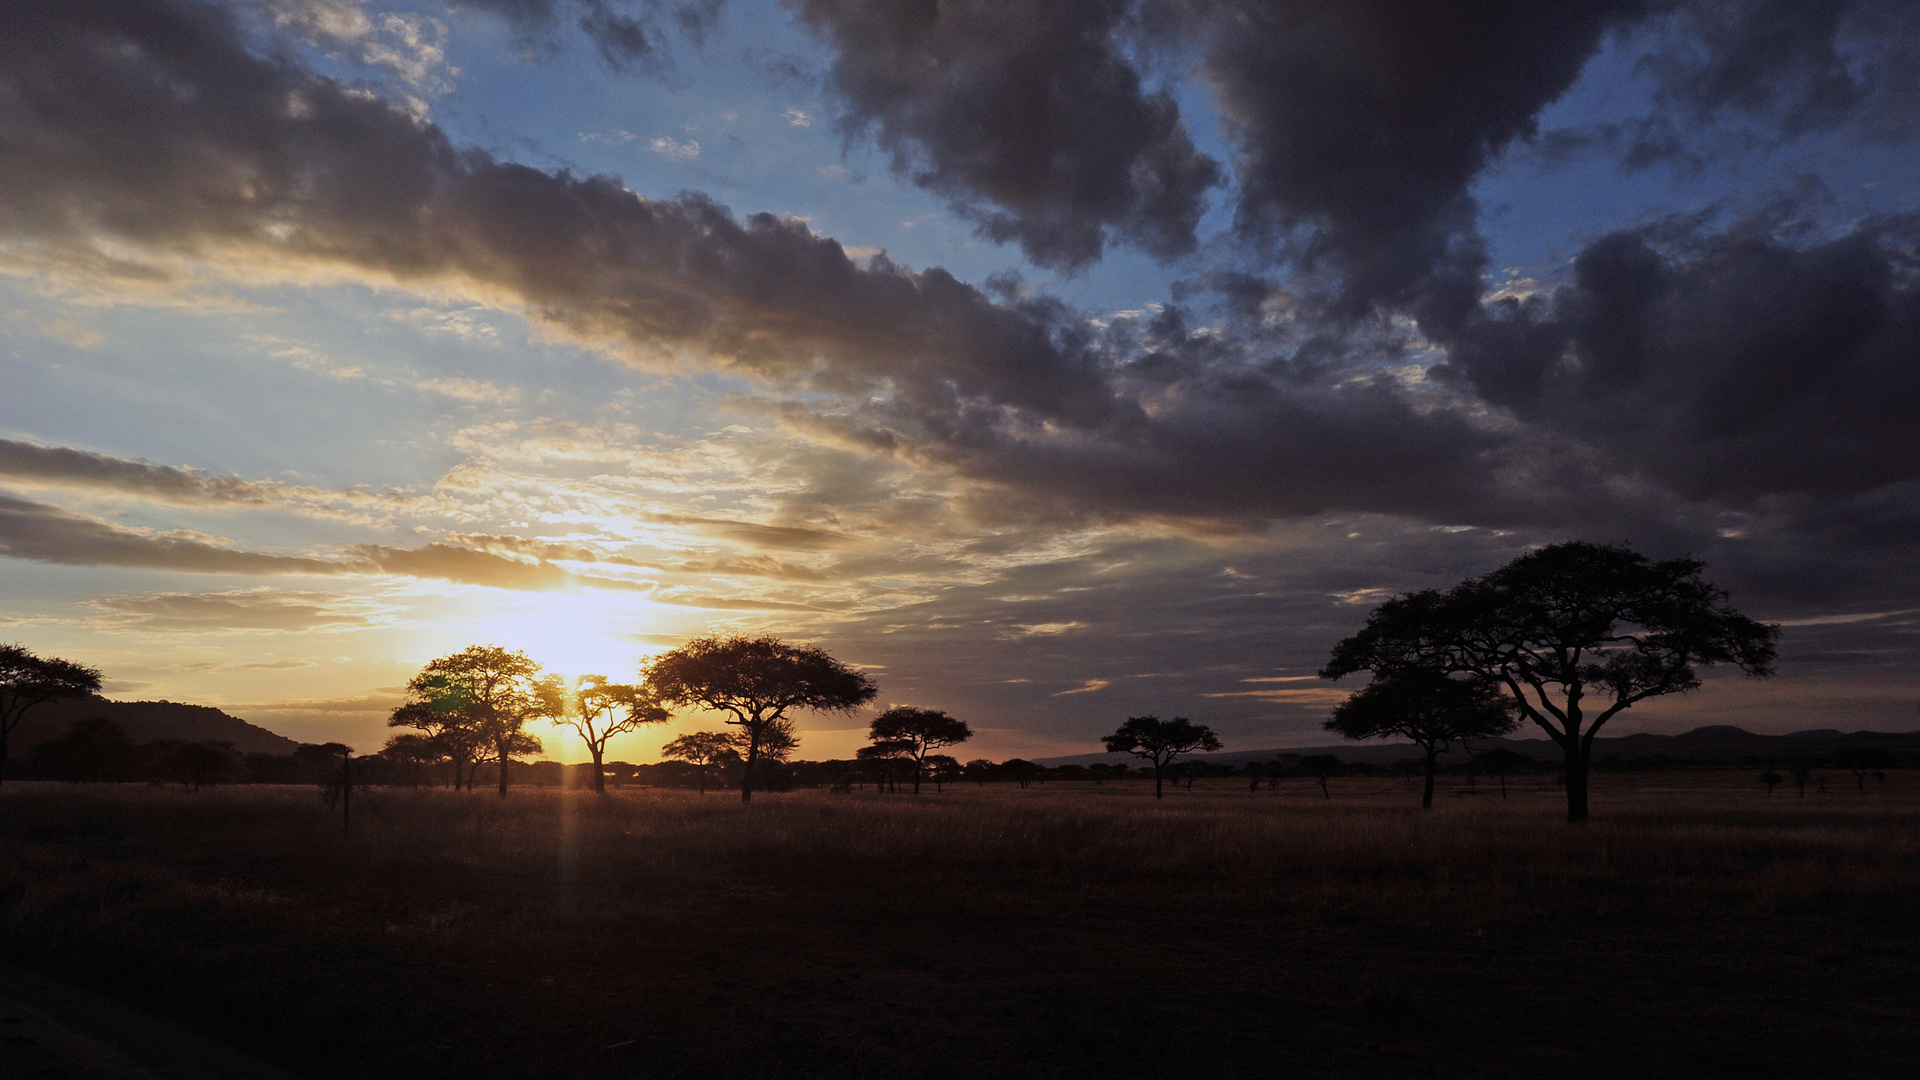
1696 928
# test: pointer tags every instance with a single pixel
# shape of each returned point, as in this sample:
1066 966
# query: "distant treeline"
99 751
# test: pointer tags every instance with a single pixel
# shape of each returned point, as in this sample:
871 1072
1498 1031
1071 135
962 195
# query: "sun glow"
570 634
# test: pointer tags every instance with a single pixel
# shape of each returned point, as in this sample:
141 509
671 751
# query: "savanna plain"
1697 926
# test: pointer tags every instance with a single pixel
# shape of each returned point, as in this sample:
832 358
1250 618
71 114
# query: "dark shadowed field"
1697 927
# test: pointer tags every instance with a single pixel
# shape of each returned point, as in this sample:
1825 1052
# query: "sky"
1053 361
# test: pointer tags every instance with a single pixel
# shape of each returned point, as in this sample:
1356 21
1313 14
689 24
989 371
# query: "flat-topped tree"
599 709
754 681
914 733
1563 623
481 699
1160 741
27 680
1429 708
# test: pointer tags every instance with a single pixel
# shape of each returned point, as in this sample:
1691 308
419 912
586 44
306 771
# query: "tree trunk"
916 776
3 758
703 779
1433 765
503 769
753 755
599 777
1576 781
1156 781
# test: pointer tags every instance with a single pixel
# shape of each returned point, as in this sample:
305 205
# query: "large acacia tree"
1563 624
479 701
599 709
1428 707
1160 741
27 680
914 733
754 681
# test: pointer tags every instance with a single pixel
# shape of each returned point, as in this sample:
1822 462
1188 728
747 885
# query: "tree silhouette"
1771 779
1861 761
1801 769
479 701
412 755
27 680
755 681
1429 708
1500 761
599 710
914 733
702 749
1160 741
1322 767
885 758
196 764
1560 623
92 750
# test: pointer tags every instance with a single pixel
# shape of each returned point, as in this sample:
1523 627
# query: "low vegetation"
659 932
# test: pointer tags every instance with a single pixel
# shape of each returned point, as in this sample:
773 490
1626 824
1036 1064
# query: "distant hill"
146 721
1719 744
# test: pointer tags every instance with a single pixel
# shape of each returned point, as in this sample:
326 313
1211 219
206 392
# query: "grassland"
1696 927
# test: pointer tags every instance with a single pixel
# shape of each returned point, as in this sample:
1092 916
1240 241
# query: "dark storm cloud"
1796 65
1027 113
1365 123
63 466
148 124
1727 366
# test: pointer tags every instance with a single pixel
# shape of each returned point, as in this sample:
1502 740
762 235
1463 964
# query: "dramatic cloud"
63 466
1027 113
149 126
42 533
1364 124
1797 66
1728 366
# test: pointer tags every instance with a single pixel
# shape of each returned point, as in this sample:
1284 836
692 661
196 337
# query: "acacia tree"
1562 623
27 680
599 709
447 734
755 681
1428 708
480 699
702 749
1160 741
913 733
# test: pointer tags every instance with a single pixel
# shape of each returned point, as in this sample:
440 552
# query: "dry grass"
787 938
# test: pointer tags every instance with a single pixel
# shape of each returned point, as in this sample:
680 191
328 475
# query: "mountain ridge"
146 721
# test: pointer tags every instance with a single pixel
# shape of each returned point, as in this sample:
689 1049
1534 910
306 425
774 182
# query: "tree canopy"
478 701
702 749
914 733
1559 624
27 680
755 681
599 709
1427 707
1160 741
